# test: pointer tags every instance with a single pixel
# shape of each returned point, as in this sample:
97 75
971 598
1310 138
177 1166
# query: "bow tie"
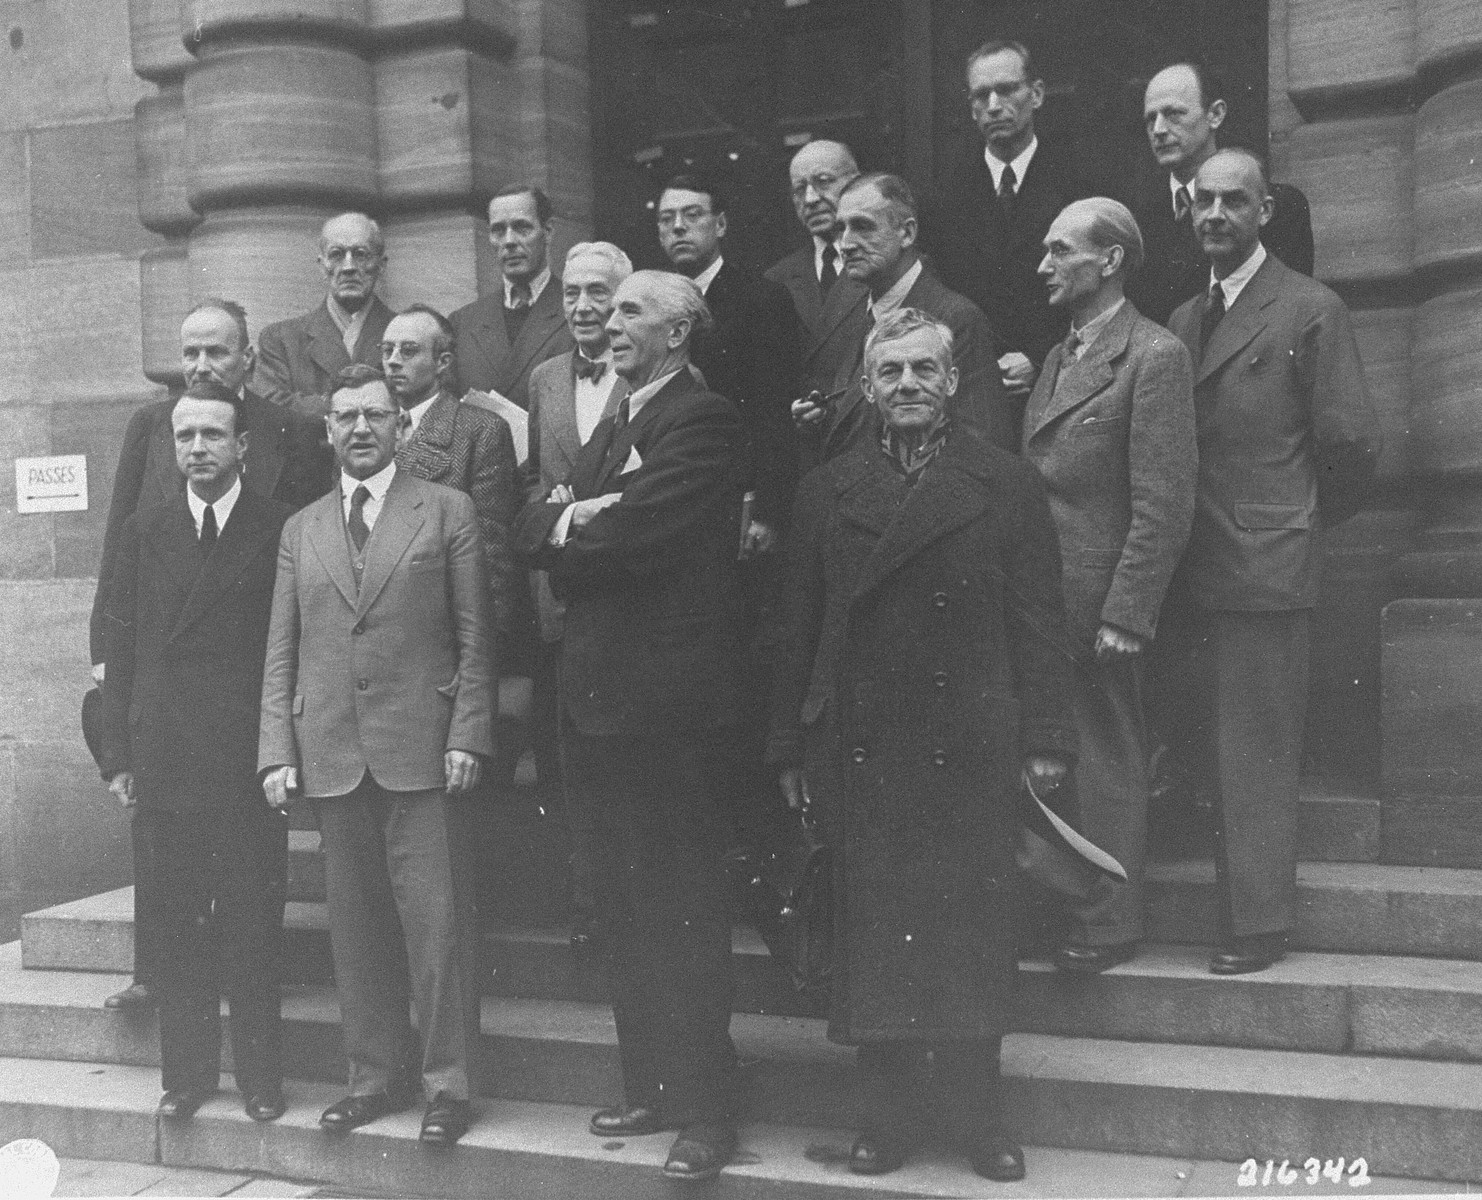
587 368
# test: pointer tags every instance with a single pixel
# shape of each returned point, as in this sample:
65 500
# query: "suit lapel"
396 526
621 446
489 336
1079 381
240 541
326 344
178 546
559 435
367 345
1245 318
798 278
263 463
845 299
324 530
432 442
544 321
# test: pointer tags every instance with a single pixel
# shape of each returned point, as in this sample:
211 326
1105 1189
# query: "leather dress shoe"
998 1158
700 1151
1092 960
446 1120
266 1105
627 1120
355 1111
180 1104
1252 952
137 997
872 1154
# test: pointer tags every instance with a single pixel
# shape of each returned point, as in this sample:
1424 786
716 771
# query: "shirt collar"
418 411
223 505
893 299
636 400
1020 164
1234 283
343 319
1091 330
537 285
377 485
706 277
1174 187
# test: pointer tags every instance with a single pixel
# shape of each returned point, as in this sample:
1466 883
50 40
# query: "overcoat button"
940 679
940 758
363 684
359 627
859 754
940 600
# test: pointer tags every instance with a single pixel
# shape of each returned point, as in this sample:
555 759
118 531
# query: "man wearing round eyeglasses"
378 706
298 359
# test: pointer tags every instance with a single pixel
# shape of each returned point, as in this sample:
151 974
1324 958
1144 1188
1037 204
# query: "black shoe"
1092 960
266 1105
137 997
999 1158
872 1154
447 1119
700 1151
180 1104
628 1120
354 1111
1248 953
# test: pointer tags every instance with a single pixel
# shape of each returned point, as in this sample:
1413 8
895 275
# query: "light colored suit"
1112 434
364 690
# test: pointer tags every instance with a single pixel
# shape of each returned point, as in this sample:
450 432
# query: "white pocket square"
634 461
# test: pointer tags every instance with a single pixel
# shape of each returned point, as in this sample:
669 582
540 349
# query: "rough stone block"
434 258
44 670
95 430
1384 337
66 61
1432 681
490 23
164 299
159 52
15 203
84 191
1336 46
1446 415
72 837
1446 30
26 539
264 258
1448 176
163 173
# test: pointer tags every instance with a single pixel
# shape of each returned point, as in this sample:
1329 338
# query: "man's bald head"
818 173
352 253
1231 202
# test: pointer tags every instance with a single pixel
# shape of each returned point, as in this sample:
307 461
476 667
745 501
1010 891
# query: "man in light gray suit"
1110 425
377 705
569 395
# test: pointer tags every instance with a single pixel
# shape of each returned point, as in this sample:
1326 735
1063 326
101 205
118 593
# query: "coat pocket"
432 563
298 706
1251 515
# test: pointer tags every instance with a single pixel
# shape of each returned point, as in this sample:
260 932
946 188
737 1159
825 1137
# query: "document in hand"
514 416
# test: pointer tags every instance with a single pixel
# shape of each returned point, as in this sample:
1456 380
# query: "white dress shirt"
896 296
706 277
591 398
1234 283
223 506
348 323
376 485
819 246
537 285
1020 165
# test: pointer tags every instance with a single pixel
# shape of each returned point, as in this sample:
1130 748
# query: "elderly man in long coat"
926 672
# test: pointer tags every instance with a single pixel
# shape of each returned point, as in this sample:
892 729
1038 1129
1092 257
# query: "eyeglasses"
348 418
692 215
405 349
819 183
359 255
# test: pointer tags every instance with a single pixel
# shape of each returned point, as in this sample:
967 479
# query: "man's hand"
809 409
122 787
280 785
583 511
461 770
99 669
758 539
1045 773
561 494
1113 643
1018 373
791 783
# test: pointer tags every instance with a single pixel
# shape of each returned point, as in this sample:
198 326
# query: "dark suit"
1175 269
834 324
990 254
980 397
185 643
298 359
489 361
1287 443
1113 437
649 688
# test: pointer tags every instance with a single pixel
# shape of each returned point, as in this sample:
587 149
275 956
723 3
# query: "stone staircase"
1365 1043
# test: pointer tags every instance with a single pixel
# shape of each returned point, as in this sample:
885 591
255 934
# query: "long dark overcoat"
927 660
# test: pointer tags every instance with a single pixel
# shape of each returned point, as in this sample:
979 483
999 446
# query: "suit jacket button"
363 684
859 754
939 600
940 679
940 758
359 627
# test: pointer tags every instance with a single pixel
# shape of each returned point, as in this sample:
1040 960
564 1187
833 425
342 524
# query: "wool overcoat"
927 659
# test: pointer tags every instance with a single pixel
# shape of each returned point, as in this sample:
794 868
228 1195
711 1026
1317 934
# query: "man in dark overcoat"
925 672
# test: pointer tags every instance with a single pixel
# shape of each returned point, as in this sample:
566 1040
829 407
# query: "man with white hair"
299 359
569 395
641 545
1110 425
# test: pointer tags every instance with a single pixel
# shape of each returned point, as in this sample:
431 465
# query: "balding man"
1110 425
502 337
1287 446
298 359
877 213
829 304
641 545
1183 109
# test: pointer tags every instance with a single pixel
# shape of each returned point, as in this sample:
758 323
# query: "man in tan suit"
1110 425
377 705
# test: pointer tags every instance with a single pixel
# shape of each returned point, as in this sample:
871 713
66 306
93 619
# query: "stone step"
1420 1121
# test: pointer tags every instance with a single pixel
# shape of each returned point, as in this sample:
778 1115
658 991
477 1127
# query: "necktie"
1072 346
359 530
519 294
830 270
1008 186
620 418
208 529
592 369
1181 205
1213 311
